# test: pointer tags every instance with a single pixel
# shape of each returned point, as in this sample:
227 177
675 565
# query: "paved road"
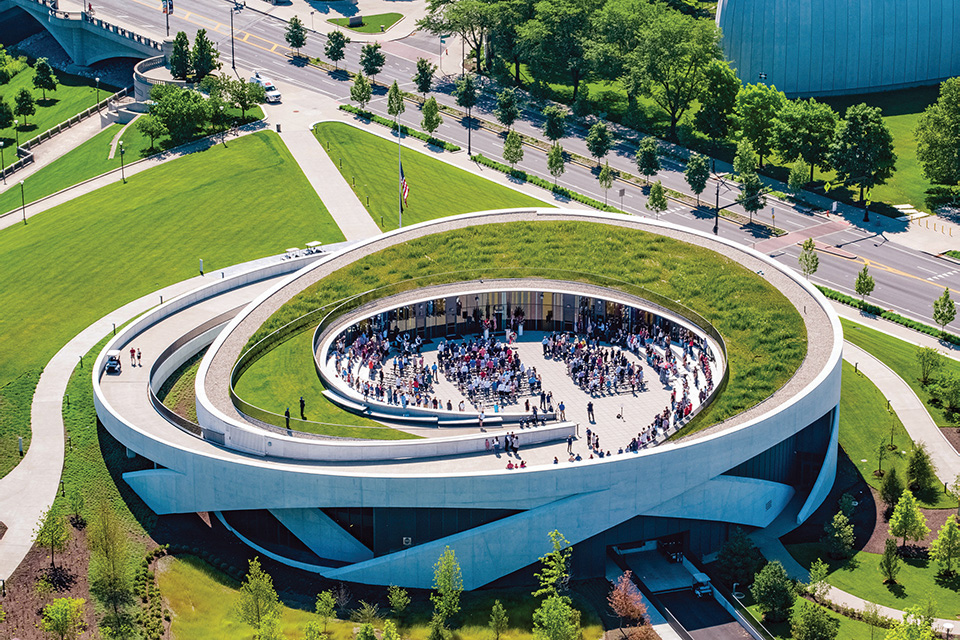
908 280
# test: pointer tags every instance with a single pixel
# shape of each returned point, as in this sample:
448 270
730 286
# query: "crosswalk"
944 275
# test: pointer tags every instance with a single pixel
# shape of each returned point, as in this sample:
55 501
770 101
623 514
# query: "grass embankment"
369 165
902 358
178 392
850 629
80 260
73 95
766 338
202 601
15 400
917 582
88 160
278 379
371 24
865 422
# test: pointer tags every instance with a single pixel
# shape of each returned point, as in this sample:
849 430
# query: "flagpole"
399 172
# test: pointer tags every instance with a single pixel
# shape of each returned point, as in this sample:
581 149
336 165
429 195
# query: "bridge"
86 38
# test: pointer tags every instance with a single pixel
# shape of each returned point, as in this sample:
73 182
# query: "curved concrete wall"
824 47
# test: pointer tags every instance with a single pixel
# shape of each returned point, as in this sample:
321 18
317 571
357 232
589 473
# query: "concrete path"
39 206
29 490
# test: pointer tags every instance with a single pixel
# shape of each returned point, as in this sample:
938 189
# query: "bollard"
856 367
20 445
81 362
114 328
68 399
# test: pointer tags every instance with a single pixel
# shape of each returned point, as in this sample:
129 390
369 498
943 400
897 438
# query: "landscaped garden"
369 164
371 24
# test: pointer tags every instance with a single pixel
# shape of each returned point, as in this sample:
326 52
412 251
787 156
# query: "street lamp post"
716 217
233 53
122 176
311 21
223 128
23 203
3 166
97 79
16 131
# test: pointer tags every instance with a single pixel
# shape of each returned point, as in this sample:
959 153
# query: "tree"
657 202
739 559
470 19
431 116
150 126
513 148
447 585
110 575
24 104
556 619
43 77
554 123
507 110
818 586
907 521
891 489
423 78
399 600
809 260
361 91
555 567
554 41
946 548
372 60
648 157
336 47
862 151
718 102
804 129
466 92
296 34
6 114
245 95
811 622
758 106
914 626
697 173
390 631
839 536
258 599
745 160
270 629
326 607
751 197
314 631
204 58
181 111
799 171
871 616
556 162
773 592
921 474
64 618
930 361
938 136
52 533
944 310
499 623
605 177
670 59
179 61
864 284
366 632
599 141
395 104
626 602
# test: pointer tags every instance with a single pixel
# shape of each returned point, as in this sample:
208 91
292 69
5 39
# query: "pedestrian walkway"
39 206
897 330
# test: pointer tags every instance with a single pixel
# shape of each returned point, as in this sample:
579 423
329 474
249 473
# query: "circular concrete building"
729 449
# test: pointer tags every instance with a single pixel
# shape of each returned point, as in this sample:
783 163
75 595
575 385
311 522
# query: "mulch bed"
953 436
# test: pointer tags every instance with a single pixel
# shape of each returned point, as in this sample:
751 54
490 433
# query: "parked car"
113 362
270 89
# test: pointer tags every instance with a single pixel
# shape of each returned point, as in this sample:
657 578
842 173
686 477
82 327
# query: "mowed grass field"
765 336
77 262
371 24
73 95
437 189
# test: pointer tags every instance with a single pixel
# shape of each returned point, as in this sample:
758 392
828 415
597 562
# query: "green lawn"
901 357
73 95
371 24
88 160
865 422
78 261
202 600
15 400
765 336
850 629
286 372
916 583
178 392
436 188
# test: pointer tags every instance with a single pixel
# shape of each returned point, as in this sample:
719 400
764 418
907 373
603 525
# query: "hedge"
544 184
873 309
404 128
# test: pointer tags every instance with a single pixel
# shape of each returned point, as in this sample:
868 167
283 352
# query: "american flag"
404 189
